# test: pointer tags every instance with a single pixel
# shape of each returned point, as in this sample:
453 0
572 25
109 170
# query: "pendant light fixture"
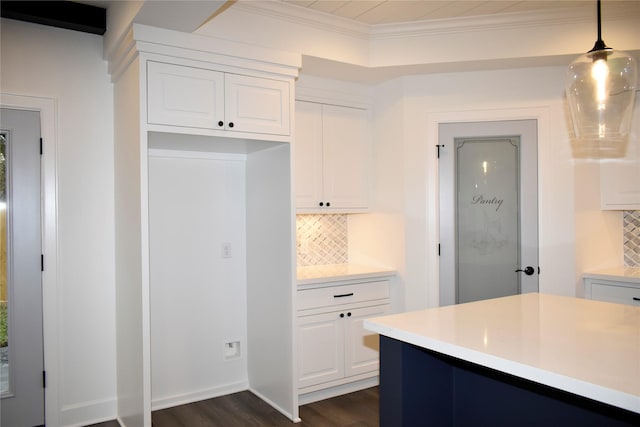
601 88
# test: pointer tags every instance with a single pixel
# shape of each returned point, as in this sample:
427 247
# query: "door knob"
527 270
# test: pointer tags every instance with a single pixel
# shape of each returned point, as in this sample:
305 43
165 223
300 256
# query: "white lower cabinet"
321 349
361 352
333 346
618 291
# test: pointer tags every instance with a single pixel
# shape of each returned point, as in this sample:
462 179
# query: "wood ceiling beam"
62 14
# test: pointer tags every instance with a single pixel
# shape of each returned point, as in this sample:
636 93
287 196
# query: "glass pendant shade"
601 88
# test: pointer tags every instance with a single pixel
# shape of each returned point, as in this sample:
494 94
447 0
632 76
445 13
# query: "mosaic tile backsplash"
322 239
631 227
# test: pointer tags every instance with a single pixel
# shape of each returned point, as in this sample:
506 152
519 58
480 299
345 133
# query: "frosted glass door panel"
487 218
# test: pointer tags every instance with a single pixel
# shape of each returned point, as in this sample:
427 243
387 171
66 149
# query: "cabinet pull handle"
343 295
636 299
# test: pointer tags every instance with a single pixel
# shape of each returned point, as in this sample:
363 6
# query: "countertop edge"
617 274
578 387
381 273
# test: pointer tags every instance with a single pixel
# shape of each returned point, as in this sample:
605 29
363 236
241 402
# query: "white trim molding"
47 107
433 119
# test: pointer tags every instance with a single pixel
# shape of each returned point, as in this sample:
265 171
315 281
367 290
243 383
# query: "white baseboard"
338 390
195 396
91 412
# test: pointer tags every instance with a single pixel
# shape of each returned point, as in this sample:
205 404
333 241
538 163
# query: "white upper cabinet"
332 158
257 105
308 154
620 178
206 99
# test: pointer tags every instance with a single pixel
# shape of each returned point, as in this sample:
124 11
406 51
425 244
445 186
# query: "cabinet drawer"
612 293
342 294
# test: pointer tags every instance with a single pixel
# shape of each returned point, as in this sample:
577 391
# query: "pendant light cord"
599 43
599 21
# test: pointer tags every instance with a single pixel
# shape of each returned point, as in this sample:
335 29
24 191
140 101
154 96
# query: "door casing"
542 114
47 107
528 203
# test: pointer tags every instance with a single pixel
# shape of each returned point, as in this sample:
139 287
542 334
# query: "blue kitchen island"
525 360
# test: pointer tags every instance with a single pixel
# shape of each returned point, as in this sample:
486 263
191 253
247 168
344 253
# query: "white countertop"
589 348
626 274
337 272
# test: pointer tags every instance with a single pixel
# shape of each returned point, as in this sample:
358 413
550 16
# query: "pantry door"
22 373
488 210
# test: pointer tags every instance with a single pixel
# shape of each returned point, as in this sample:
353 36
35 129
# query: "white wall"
380 237
513 40
68 66
403 219
198 298
476 93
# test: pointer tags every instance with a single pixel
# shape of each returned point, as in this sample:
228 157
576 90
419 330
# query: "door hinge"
438 146
44 379
41 146
41 262
438 249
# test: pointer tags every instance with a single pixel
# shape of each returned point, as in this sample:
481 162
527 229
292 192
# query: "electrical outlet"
226 250
231 350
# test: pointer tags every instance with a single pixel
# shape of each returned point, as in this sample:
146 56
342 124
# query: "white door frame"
48 120
434 119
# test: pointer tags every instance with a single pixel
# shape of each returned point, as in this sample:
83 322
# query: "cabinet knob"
349 314
321 204
341 314
220 123
328 204
230 124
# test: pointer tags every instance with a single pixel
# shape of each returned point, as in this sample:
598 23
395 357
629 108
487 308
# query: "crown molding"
337 24
501 21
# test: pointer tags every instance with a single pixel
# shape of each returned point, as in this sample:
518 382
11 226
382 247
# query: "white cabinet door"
184 96
362 346
256 105
345 155
620 179
308 154
333 158
320 348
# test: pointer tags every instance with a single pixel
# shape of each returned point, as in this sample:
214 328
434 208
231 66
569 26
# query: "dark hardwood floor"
359 409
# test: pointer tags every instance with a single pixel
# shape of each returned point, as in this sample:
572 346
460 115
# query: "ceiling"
375 12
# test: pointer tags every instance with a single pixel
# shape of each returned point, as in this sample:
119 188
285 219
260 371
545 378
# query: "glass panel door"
22 397
487 217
